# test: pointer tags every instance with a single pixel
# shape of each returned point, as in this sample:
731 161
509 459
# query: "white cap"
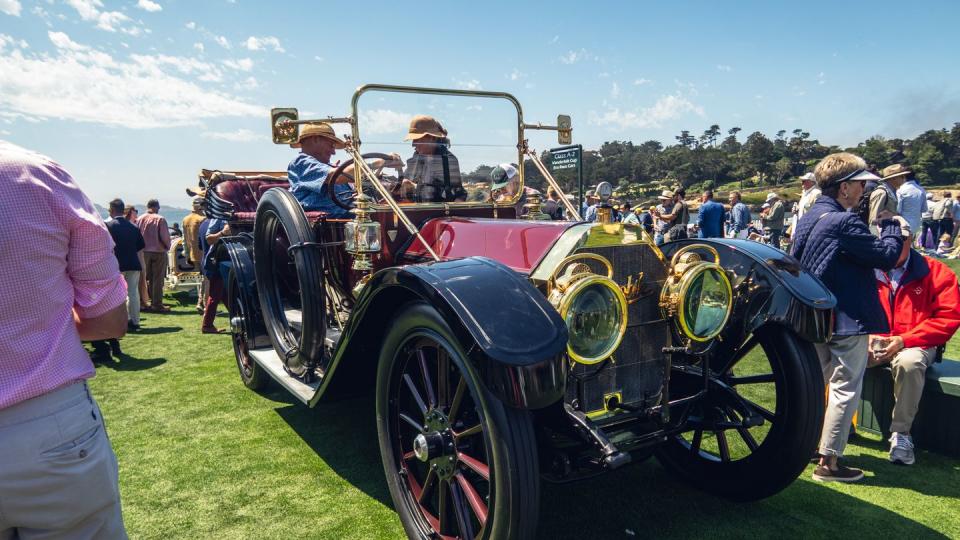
765 205
865 175
771 196
809 176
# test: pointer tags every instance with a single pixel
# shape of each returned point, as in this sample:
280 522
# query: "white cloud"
80 83
383 121
472 84
111 21
666 108
318 58
516 75
642 82
250 83
191 25
254 43
242 64
821 78
555 39
11 7
572 57
7 41
615 90
147 5
240 135
198 46
724 67
222 41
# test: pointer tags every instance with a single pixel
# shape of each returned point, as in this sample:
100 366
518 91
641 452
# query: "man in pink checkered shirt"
60 284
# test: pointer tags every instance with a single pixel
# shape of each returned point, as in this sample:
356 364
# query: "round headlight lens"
596 316
707 299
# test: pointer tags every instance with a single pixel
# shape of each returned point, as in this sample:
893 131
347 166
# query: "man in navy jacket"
837 247
127 242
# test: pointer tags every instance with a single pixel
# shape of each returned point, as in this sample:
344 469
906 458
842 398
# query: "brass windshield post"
360 165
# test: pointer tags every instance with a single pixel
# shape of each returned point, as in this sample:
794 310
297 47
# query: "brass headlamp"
697 293
592 305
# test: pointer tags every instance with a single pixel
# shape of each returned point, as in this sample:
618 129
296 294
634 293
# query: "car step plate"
269 360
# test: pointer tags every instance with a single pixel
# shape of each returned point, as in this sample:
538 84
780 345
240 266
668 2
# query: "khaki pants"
156 271
844 362
58 473
132 277
909 368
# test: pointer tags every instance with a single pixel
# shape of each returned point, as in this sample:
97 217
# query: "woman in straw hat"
432 173
308 171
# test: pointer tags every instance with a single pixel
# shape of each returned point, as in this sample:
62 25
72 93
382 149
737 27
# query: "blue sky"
135 96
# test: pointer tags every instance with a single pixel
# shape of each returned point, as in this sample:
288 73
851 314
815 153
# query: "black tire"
490 434
253 376
281 222
766 466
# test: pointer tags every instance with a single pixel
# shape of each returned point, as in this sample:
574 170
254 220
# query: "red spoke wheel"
459 463
759 423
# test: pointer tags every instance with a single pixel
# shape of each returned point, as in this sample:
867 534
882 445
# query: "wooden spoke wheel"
759 423
458 463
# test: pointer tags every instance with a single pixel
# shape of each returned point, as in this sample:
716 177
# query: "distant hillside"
173 214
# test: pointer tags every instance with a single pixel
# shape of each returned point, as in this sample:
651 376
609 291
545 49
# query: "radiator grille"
636 369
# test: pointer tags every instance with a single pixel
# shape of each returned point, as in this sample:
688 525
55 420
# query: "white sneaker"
901 449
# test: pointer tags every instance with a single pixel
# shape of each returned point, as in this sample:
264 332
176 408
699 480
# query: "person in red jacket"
922 304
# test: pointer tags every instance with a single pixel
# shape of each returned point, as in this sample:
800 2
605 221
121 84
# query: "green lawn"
203 457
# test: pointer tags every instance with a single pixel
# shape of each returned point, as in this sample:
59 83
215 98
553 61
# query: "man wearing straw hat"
911 198
308 171
665 207
433 172
884 197
810 194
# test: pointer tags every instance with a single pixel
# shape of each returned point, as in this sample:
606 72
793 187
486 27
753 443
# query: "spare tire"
283 248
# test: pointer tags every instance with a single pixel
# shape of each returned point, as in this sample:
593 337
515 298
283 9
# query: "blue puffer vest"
837 247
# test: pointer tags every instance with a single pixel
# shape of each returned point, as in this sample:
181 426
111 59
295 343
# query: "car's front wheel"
756 428
459 464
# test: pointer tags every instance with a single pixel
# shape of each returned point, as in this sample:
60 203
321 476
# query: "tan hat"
318 130
422 125
894 171
665 195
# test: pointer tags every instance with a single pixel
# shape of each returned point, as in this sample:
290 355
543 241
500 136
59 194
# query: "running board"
269 360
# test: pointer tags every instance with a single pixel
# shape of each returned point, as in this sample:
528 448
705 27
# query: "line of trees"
718 157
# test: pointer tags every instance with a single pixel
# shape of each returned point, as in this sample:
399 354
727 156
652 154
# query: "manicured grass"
203 457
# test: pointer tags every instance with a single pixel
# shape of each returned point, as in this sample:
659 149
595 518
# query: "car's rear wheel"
755 430
253 376
459 464
289 270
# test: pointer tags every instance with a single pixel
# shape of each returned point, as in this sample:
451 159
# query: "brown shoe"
841 474
210 330
160 309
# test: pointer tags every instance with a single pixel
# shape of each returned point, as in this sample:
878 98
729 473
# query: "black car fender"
769 286
239 251
513 337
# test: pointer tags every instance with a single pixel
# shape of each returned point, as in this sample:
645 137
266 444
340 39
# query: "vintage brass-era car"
505 351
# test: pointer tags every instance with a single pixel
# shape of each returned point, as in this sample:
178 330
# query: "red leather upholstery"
248 217
244 194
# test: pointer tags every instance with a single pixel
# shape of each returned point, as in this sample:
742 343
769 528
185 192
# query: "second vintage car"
504 351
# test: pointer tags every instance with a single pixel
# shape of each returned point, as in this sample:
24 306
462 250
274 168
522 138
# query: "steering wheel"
344 199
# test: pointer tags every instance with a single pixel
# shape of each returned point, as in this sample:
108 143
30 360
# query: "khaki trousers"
132 277
58 473
156 271
909 368
844 362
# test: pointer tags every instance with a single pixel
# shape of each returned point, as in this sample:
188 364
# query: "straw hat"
771 196
318 130
894 171
665 195
422 125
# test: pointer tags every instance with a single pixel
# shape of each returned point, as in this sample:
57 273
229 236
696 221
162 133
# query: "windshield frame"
355 133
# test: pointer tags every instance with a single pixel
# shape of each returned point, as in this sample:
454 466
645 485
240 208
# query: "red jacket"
927 303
